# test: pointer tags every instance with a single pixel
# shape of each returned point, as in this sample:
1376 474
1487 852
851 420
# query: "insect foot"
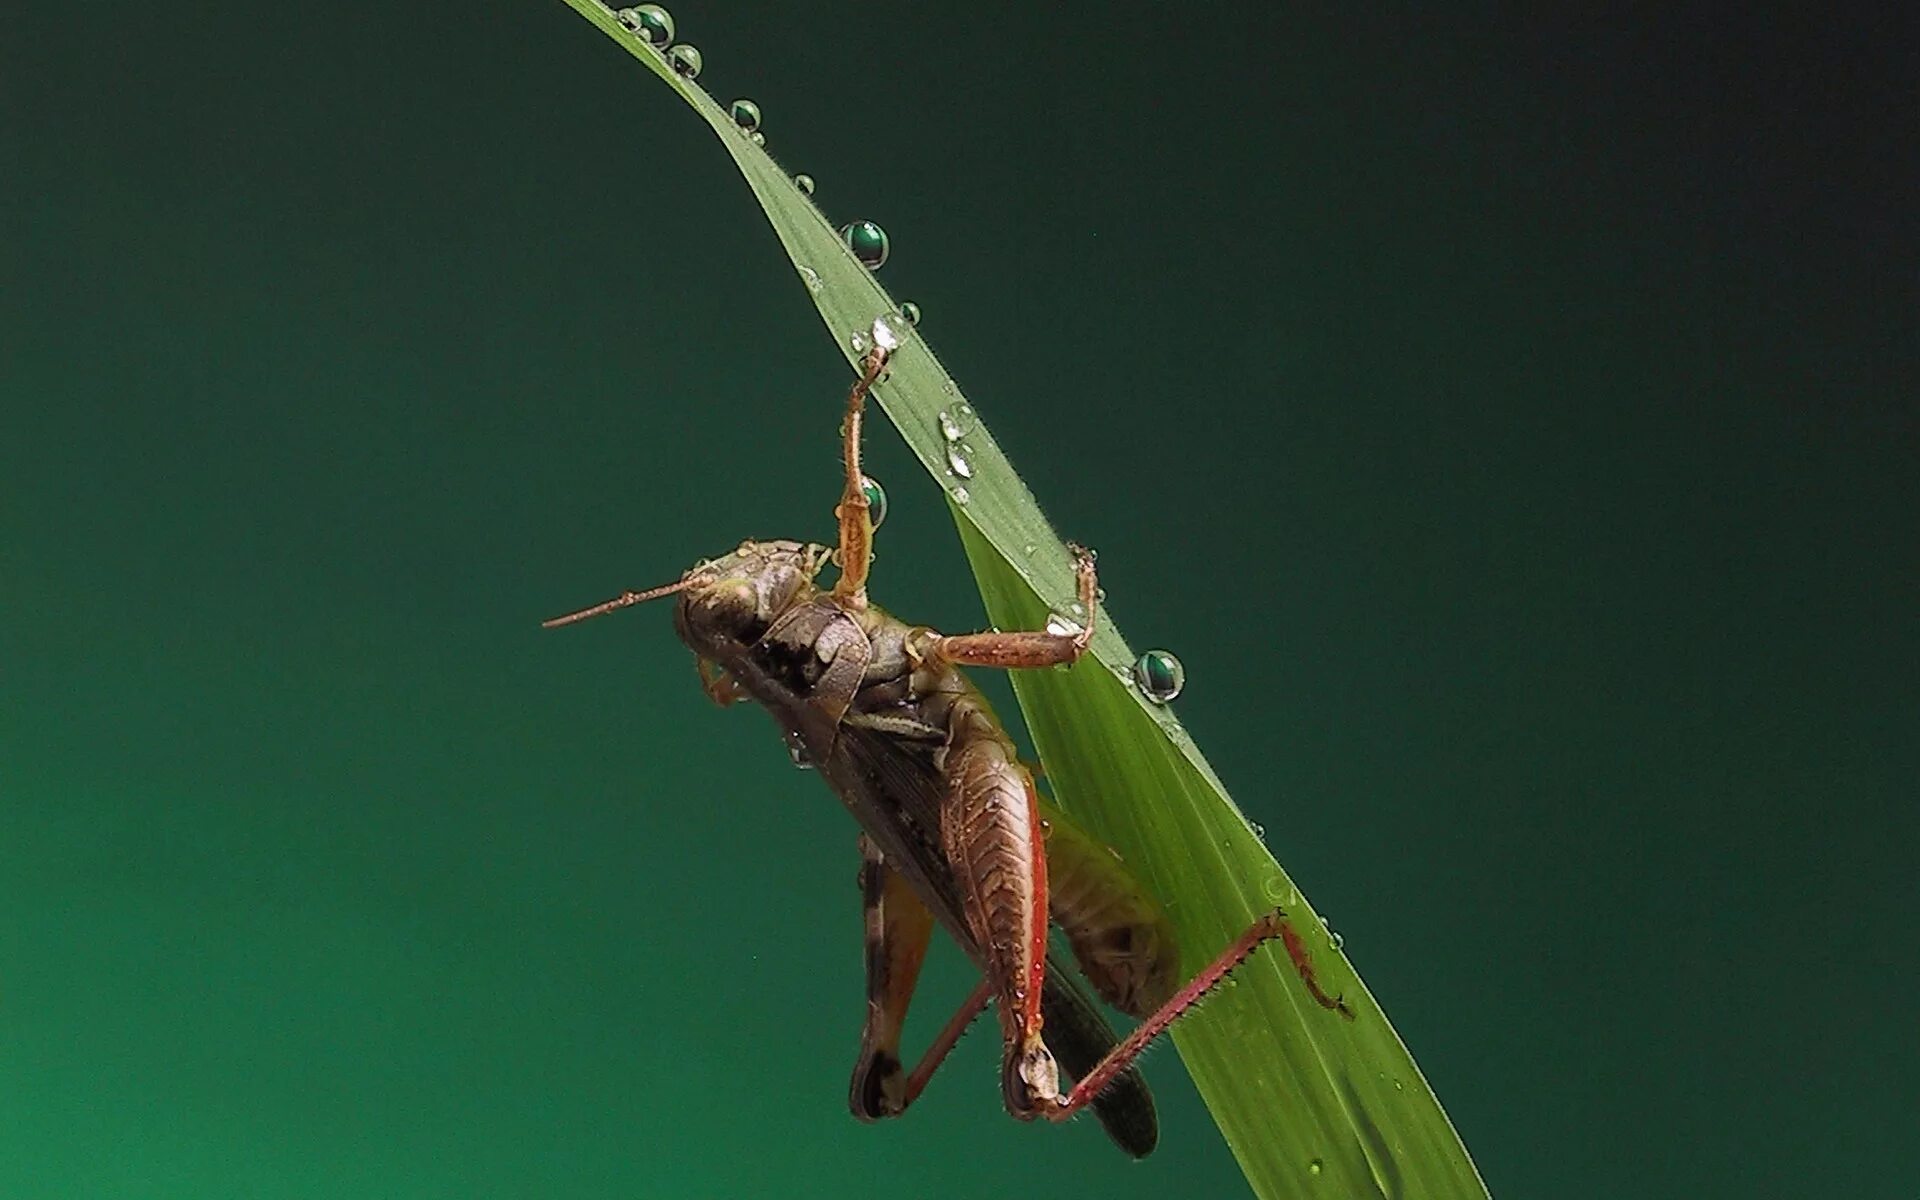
1031 1079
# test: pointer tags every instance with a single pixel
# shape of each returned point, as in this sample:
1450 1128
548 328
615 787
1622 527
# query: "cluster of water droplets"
1158 674
654 26
956 422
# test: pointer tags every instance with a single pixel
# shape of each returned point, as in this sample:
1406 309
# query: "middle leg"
1023 648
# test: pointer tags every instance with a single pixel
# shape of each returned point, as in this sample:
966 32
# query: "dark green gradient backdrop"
1510 421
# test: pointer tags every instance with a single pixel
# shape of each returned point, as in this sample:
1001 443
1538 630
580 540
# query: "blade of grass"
1310 1103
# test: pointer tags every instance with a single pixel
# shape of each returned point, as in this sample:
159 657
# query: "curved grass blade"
1310 1103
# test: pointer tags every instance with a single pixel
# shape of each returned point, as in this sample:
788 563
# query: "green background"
1509 420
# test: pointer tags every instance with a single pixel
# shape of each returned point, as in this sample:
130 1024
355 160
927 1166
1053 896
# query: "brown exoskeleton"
954 830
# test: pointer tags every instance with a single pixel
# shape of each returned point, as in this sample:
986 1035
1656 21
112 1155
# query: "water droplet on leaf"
868 242
957 422
745 114
1159 676
804 182
811 277
1315 1167
961 496
910 311
757 138
685 61
890 330
960 459
651 22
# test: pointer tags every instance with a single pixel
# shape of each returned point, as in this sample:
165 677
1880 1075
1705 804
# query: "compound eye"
731 607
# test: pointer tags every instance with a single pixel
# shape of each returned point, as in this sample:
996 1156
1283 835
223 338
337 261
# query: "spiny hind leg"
898 927
1022 648
991 836
1267 928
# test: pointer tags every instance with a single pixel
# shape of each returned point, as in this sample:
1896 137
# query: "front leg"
721 688
856 522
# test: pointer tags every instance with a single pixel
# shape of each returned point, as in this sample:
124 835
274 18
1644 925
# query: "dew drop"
685 61
757 138
745 114
1061 625
1398 1086
876 499
797 751
651 22
910 311
1315 1167
890 330
1028 549
961 496
804 182
858 342
960 459
868 242
1159 676
957 422
1276 889
812 278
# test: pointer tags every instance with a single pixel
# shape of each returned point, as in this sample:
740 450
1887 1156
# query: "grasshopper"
954 831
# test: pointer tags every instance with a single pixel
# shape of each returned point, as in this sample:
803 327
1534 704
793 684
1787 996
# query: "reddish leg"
1023 648
720 687
1273 925
898 927
969 1010
856 524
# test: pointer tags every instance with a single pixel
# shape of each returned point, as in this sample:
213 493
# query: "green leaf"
1311 1104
